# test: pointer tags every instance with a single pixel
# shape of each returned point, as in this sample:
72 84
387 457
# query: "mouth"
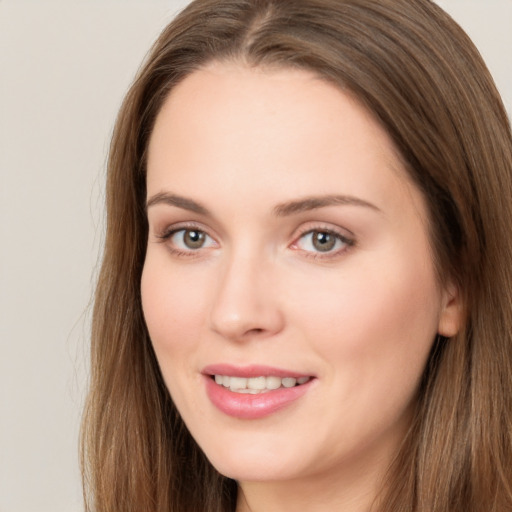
254 392
258 385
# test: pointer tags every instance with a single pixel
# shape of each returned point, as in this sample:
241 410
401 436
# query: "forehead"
278 131
277 101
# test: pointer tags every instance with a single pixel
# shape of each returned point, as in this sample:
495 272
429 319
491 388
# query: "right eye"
190 239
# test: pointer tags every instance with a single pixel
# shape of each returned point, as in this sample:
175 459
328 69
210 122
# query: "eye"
322 241
190 239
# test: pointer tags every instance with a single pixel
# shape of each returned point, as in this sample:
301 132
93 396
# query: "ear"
450 318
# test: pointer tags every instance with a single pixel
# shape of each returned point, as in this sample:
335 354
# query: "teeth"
256 385
289 382
273 382
236 383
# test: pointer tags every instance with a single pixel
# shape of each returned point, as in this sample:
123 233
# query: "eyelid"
169 229
346 237
165 235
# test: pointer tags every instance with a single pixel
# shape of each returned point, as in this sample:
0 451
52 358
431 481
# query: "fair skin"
244 269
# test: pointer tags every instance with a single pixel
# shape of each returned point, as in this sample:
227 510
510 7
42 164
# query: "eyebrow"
315 202
178 201
280 210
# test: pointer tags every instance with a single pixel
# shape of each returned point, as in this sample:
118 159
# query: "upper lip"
253 370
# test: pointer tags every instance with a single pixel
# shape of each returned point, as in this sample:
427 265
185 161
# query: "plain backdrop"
64 67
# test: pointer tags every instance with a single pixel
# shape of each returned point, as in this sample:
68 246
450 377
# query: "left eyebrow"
315 202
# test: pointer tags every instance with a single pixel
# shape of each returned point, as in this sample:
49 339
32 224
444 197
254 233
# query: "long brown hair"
412 66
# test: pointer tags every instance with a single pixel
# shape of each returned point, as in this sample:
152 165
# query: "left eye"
191 239
321 241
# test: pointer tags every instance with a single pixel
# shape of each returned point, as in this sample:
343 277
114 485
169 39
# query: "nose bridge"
245 303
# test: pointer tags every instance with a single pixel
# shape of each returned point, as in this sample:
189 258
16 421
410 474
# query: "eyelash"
169 233
347 242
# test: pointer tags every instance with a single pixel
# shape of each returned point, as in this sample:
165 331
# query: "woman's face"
288 288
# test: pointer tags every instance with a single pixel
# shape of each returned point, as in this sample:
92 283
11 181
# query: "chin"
253 470
253 461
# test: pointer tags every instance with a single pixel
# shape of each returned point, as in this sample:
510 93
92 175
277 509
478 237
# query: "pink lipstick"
255 391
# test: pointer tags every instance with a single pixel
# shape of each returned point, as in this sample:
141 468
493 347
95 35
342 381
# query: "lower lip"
250 407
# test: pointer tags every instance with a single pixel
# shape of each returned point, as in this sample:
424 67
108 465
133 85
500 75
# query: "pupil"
323 241
194 239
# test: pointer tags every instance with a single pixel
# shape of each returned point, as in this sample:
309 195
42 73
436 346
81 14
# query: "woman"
305 294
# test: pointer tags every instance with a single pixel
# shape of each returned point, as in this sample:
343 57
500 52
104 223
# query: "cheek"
374 324
173 307
374 330
174 310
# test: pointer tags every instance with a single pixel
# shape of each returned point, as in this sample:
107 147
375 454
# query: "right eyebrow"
178 201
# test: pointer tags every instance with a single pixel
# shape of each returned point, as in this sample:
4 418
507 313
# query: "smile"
254 392
257 385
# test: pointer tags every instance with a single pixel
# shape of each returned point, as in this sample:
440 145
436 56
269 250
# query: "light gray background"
64 67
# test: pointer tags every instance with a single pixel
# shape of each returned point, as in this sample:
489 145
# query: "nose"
246 303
